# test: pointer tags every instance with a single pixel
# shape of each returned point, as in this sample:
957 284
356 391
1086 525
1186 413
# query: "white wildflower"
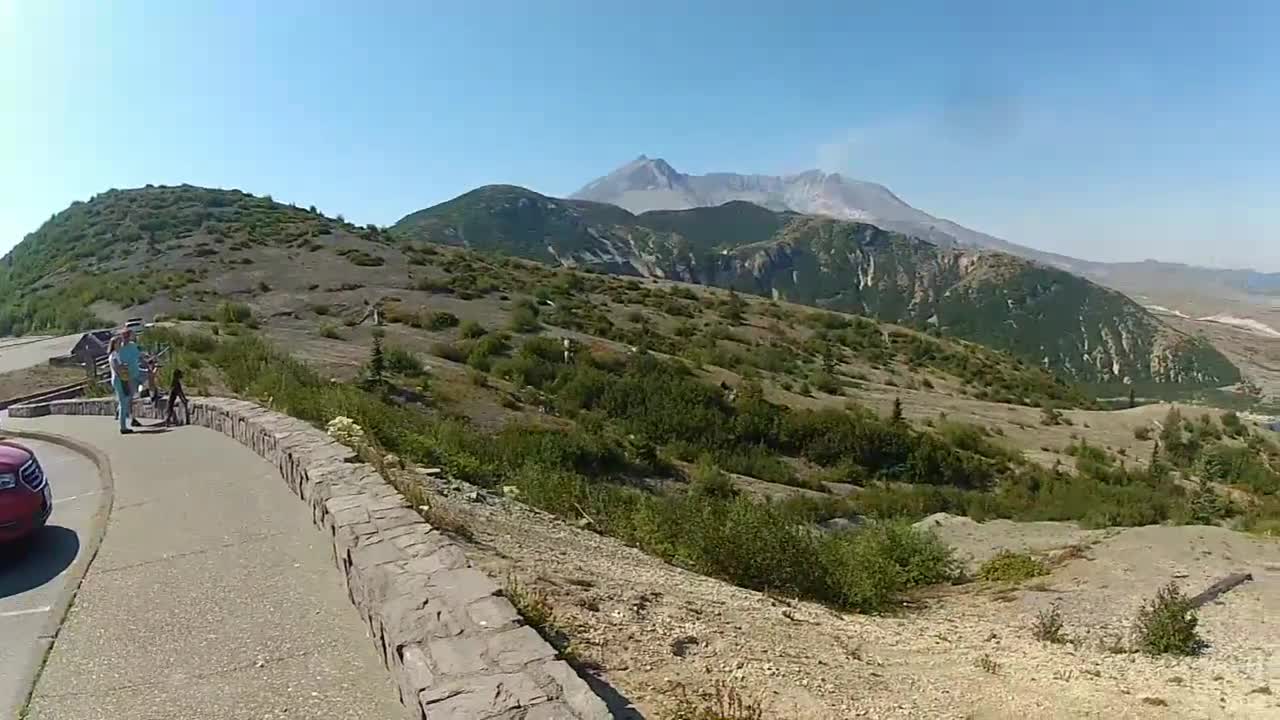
346 431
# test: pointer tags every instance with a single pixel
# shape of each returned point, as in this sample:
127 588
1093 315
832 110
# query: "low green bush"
1166 625
233 312
708 480
402 361
524 318
449 351
472 330
441 320
1012 567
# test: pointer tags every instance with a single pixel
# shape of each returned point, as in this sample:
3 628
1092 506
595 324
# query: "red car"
25 500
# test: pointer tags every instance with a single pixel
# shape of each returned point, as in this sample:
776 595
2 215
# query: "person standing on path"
125 360
132 355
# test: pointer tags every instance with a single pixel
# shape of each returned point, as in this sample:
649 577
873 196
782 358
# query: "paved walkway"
212 595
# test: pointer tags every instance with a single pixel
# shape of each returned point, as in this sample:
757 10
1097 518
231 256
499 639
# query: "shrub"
441 320
1142 432
1048 627
524 318
433 286
532 604
825 382
472 330
362 258
710 481
449 351
1012 567
329 331
482 351
233 312
1206 506
1167 625
402 361
1232 425
1239 466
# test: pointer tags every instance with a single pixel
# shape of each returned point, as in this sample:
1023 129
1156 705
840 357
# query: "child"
176 393
153 389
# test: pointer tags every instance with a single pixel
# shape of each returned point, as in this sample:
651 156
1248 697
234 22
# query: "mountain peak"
663 187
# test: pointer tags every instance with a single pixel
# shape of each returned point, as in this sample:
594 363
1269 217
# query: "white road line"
75 497
29 611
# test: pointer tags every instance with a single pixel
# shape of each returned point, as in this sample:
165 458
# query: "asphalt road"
33 578
16 354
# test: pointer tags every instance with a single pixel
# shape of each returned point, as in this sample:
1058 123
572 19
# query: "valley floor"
967 651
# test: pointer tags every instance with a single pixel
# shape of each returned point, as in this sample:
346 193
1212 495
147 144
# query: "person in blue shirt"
126 372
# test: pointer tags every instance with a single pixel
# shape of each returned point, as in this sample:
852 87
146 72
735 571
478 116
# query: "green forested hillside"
1046 316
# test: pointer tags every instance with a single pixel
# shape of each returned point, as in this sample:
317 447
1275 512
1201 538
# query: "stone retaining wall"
456 648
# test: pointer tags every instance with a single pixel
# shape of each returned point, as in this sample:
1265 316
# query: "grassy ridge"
107 249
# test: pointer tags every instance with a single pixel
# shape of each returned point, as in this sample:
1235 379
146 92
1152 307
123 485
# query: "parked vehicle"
25 499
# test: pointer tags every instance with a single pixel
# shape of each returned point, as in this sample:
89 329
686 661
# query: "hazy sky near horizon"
1102 130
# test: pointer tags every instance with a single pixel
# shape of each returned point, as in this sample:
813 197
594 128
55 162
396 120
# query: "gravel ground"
656 631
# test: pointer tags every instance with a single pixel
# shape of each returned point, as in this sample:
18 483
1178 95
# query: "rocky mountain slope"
1042 314
652 184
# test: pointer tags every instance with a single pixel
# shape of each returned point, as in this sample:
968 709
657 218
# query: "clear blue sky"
1106 130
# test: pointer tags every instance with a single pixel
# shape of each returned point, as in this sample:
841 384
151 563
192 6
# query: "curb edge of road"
77 570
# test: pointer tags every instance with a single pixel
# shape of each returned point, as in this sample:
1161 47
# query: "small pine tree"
896 416
377 362
1133 399
1206 507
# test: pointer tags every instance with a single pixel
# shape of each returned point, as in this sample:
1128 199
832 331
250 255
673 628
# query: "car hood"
12 456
